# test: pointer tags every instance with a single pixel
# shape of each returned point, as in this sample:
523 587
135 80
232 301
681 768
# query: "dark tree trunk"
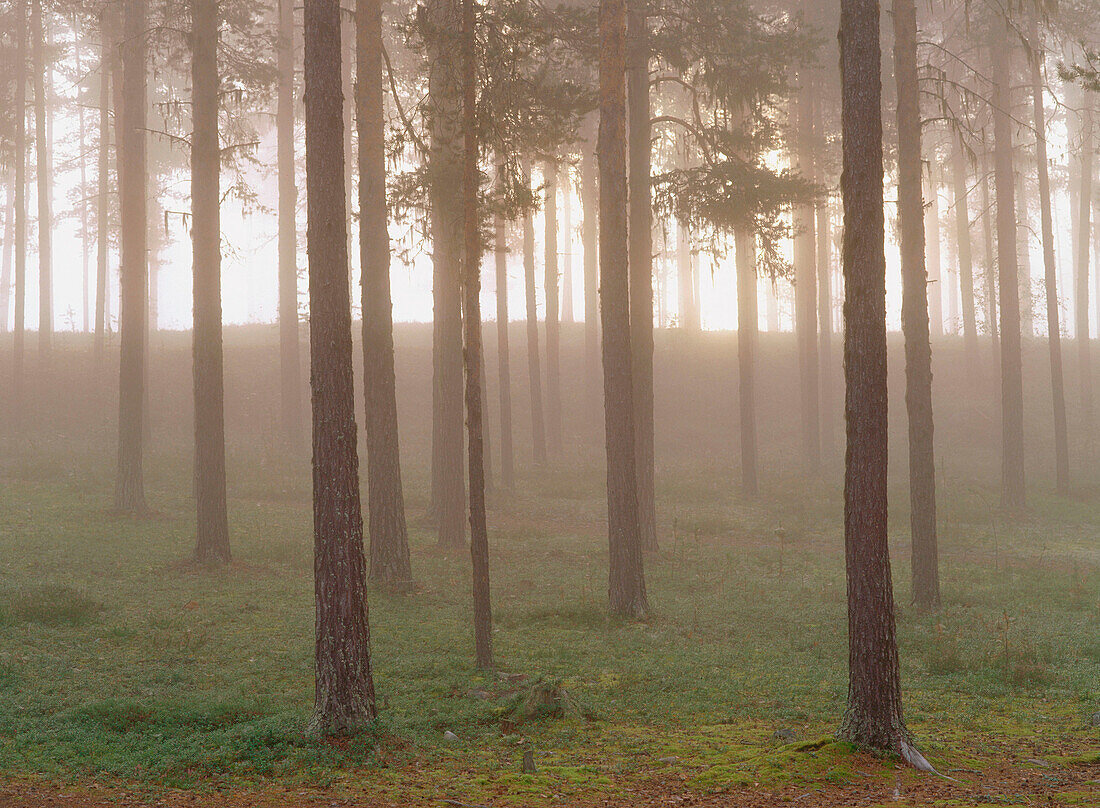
5 267
1012 383
626 578
1050 267
963 243
688 306
933 262
640 242
553 328
747 325
824 298
448 495
805 285
347 83
534 363
590 242
133 272
874 716
19 334
914 313
103 197
344 691
389 540
290 395
1023 248
86 314
479 538
1084 242
1095 261
504 370
213 525
567 315
990 256
45 186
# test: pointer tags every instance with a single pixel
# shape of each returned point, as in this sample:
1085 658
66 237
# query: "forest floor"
128 676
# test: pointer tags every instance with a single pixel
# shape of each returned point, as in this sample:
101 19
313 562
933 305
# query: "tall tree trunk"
934 263
347 83
1050 268
824 297
290 396
1084 242
686 307
344 688
45 187
805 286
389 539
103 193
990 255
747 327
155 244
553 328
626 575
213 524
5 266
1012 383
1023 249
486 426
567 314
965 252
85 264
133 272
19 315
534 363
695 295
914 313
640 241
590 242
448 495
1095 258
479 539
504 369
874 715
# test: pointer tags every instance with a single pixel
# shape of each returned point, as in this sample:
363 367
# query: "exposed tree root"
911 755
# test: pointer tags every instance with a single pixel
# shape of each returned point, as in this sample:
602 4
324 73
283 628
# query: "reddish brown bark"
1050 267
344 688
626 584
914 313
133 271
212 545
389 541
874 716
479 538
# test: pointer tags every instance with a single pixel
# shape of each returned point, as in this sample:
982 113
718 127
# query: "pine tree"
873 718
290 396
918 350
344 693
45 185
389 541
213 525
1012 384
472 354
133 271
1050 268
626 575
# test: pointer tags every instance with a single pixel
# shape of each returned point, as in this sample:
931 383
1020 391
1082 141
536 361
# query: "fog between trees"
788 273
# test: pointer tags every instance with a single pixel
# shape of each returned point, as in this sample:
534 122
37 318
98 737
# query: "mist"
527 403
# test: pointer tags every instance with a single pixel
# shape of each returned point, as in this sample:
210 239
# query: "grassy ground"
123 665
